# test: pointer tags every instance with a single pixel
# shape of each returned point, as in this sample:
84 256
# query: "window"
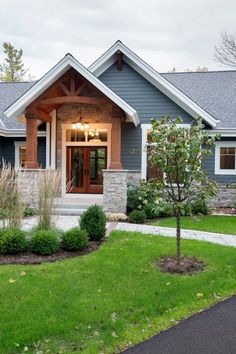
147 170
20 153
91 135
225 156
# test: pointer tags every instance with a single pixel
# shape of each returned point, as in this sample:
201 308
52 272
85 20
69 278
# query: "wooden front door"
84 167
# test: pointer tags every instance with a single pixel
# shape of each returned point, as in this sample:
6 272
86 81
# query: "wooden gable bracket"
119 62
36 113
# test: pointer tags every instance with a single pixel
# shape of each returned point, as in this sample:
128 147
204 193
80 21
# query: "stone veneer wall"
114 191
29 181
226 198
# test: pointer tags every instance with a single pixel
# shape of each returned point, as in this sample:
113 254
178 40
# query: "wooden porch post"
116 144
31 142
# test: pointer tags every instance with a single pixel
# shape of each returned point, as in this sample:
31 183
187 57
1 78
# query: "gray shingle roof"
214 91
9 92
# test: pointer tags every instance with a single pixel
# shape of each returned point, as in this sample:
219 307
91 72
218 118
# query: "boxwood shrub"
93 221
13 241
151 211
45 242
137 216
74 239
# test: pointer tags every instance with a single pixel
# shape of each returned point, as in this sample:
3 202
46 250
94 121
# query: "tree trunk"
178 235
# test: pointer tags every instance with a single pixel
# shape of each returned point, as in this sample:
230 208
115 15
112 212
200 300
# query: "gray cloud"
165 33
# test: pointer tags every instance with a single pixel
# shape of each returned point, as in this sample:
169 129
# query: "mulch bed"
187 266
31 258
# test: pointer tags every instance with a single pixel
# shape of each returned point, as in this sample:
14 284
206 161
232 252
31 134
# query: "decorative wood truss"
68 89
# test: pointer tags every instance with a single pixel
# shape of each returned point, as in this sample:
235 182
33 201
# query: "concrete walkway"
65 222
209 332
221 239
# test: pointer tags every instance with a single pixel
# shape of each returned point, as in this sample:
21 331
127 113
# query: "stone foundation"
226 198
114 191
29 181
133 177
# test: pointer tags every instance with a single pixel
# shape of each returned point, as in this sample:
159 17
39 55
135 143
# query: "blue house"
93 123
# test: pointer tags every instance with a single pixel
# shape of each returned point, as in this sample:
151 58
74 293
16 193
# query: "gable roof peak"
151 75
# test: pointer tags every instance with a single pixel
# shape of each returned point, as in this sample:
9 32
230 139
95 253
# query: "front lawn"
106 300
211 223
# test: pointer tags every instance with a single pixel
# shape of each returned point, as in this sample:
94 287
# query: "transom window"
91 135
225 158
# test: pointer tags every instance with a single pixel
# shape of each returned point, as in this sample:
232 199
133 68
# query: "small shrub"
151 211
200 207
74 239
29 212
187 210
12 241
45 242
137 217
139 196
93 221
165 209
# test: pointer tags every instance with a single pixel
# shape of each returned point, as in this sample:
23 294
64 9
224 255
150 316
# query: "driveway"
212 331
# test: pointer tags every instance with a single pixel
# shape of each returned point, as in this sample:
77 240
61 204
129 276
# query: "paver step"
71 206
68 211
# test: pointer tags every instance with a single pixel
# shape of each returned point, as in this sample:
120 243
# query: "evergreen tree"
12 68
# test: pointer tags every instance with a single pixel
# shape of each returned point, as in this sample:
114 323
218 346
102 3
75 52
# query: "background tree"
12 68
179 154
225 51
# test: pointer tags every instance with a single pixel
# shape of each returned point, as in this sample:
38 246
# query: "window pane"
152 171
231 151
149 139
227 162
227 158
22 157
97 135
223 150
74 135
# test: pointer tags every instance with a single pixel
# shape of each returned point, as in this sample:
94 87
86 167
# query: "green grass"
106 300
211 223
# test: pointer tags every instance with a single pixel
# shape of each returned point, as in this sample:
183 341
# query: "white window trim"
218 145
18 144
145 128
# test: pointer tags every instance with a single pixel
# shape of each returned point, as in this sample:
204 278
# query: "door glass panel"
97 164
75 168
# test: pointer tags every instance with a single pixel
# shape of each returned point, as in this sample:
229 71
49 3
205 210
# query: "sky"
165 33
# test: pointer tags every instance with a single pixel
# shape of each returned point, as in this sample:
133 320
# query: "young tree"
12 68
179 153
225 51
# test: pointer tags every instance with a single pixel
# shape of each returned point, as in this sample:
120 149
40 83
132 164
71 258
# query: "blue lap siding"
149 103
7 150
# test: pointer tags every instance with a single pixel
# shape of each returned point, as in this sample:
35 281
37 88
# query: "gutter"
19 132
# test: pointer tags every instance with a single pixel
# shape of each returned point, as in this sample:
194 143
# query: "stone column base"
114 191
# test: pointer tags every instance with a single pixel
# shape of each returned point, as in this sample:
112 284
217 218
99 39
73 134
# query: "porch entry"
84 167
